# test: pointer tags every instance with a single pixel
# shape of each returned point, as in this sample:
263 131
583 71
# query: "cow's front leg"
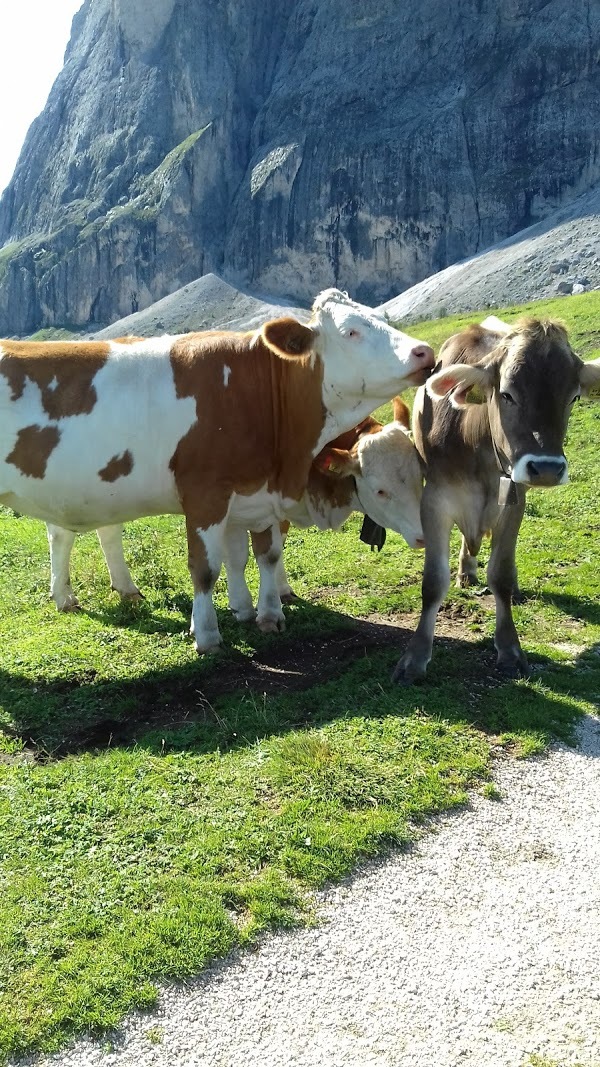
437 524
236 558
267 547
467 566
61 544
502 580
205 557
111 540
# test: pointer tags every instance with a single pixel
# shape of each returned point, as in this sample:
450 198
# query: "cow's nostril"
532 469
423 352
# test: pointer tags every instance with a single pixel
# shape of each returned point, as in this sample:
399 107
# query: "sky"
34 36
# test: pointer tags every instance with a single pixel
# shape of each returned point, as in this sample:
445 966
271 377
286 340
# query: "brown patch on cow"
117 467
33 447
288 337
351 437
261 433
261 542
401 412
202 576
64 372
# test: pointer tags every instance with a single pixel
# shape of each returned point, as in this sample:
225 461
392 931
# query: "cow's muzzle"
541 471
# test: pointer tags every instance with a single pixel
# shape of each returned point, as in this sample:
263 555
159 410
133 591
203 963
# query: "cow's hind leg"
502 580
467 565
61 544
205 556
236 558
286 592
267 547
111 540
437 524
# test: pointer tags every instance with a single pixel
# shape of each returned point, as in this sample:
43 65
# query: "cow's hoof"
244 614
69 603
408 672
513 666
289 597
269 625
211 641
134 597
464 580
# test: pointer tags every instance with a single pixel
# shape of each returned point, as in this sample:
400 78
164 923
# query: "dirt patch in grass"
121 713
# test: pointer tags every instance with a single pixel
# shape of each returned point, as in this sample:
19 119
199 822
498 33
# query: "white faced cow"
525 379
372 469
220 426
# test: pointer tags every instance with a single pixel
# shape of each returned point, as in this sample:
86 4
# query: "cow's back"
98 433
87 430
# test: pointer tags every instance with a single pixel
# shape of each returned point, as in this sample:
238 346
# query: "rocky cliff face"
293 145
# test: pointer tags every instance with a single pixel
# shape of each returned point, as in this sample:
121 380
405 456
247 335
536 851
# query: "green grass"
157 809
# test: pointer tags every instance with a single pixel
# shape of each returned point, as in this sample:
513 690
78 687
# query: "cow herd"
249 432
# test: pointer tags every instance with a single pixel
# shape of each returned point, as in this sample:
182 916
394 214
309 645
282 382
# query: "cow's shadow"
576 607
242 694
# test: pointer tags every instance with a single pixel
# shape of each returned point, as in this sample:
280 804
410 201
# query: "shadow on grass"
587 610
327 665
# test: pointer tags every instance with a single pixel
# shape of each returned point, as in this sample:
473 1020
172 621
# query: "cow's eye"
507 398
382 493
353 335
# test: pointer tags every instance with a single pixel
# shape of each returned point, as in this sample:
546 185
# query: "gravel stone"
478 947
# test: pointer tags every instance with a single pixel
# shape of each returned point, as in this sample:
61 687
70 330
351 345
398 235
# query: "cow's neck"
298 417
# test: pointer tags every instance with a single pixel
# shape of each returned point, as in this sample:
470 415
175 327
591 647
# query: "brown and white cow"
220 426
373 469
491 420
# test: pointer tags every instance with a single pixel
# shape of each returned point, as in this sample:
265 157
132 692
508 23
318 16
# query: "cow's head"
365 361
387 473
362 355
530 382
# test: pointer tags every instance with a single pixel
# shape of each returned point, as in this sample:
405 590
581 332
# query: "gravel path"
478 948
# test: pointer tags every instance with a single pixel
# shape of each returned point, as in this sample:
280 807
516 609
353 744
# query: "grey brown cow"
490 423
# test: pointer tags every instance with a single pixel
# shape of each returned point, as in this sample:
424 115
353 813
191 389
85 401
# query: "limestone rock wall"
293 145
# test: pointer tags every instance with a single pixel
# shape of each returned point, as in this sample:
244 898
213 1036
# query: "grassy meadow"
157 809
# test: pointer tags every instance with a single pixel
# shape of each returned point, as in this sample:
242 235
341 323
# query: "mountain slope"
291 146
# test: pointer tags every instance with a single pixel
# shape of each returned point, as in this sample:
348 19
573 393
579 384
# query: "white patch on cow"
495 325
71 494
258 510
226 375
365 361
521 475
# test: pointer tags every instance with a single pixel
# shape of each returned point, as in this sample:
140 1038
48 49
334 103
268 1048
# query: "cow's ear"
288 337
466 384
337 461
401 412
589 377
